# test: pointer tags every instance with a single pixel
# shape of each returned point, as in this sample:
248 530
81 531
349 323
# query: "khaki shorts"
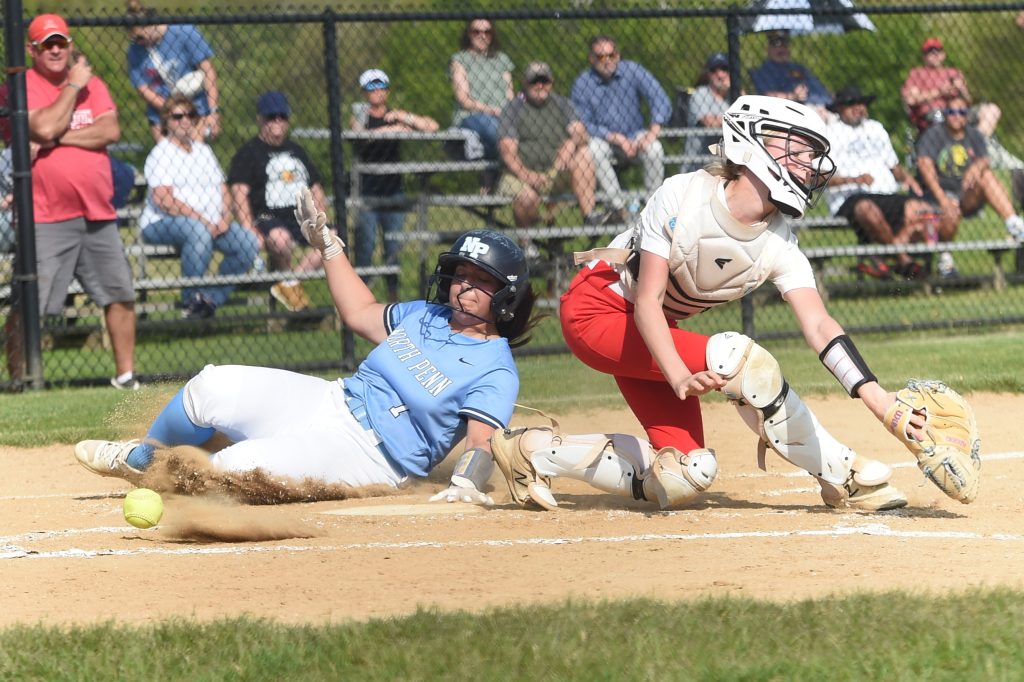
511 186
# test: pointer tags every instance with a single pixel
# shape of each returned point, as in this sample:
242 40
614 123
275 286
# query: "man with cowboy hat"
866 189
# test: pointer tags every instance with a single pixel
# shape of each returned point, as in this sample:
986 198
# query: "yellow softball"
143 508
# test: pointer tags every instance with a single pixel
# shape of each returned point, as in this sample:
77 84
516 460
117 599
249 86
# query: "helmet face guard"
495 254
783 143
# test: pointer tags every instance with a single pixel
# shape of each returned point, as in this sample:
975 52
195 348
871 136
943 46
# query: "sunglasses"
779 42
957 112
605 56
540 80
481 31
932 50
51 43
276 117
192 116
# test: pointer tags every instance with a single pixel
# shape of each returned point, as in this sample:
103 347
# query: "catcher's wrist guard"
949 454
843 359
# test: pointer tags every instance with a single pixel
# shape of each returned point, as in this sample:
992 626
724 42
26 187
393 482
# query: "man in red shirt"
72 118
928 87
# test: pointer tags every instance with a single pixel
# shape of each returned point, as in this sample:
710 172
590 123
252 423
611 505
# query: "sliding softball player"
442 370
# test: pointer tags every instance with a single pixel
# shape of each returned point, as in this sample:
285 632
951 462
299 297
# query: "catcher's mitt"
949 454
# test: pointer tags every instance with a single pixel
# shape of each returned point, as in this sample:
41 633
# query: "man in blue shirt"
607 98
780 76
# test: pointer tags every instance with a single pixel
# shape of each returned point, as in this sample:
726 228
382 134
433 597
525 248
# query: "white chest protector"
714 258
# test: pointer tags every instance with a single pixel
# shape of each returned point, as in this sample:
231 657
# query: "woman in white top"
188 208
704 239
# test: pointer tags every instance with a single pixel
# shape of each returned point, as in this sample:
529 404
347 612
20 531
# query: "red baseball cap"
931 44
47 25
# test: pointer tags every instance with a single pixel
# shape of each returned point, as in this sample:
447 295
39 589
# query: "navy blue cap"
716 60
272 102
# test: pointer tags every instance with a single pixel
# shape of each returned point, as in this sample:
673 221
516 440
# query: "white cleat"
108 458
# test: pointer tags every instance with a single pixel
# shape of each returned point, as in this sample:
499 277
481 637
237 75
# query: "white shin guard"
622 464
609 462
778 415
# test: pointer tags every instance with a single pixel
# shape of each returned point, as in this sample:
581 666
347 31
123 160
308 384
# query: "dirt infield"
67 556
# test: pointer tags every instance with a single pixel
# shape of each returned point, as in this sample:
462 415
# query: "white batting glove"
466 492
314 227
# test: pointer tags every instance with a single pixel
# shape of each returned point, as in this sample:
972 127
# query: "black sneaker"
199 308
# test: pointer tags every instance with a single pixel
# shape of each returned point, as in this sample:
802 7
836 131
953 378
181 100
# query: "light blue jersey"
422 382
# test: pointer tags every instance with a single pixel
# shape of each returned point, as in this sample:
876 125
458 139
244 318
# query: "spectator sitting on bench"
265 175
866 186
543 146
482 84
779 76
166 59
608 98
7 201
389 212
929 85
189 207
710 99
953 168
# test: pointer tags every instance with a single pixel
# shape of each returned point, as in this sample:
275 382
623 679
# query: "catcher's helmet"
494 253
754 118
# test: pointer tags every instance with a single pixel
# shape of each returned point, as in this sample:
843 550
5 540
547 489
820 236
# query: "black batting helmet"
494 253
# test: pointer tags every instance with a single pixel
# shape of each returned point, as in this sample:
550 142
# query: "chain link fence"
397 117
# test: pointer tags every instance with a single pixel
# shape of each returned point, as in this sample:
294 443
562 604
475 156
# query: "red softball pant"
600 330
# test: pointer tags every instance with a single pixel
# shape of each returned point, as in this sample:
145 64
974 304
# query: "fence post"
732 29
25 283
333 78
732 37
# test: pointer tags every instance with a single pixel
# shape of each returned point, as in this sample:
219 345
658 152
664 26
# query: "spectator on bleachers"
543 146
953 168
608 98
73 118
265 175
388 213
6 202
481 77
866 186
172 59
928 86
780 76
189 208
709 101
7 224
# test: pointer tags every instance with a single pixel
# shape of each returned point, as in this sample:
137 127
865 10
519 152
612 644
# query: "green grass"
865 637
891 636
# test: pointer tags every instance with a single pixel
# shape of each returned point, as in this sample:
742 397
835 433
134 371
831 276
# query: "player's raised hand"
313 224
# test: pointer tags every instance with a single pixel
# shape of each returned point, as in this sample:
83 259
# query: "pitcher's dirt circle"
68 557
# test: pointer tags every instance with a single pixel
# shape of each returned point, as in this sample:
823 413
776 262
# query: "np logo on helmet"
474 246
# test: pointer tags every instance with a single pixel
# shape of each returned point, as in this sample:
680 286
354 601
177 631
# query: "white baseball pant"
287 424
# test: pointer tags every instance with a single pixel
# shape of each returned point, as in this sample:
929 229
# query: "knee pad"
676 478
775 412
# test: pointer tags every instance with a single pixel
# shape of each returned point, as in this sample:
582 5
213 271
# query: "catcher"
704 239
